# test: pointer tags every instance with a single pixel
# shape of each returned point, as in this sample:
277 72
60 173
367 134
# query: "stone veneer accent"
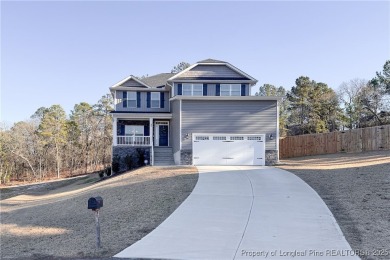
271 157
123 151
186 157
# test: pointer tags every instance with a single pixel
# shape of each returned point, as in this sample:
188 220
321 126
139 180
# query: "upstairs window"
155 98
230 90
192 89
131 99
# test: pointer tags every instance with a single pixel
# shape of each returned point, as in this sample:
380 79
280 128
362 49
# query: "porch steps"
163 156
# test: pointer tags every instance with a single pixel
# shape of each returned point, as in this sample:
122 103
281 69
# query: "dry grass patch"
56 222
356 188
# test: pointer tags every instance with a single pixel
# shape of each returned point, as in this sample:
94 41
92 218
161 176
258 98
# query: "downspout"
277 129
151 141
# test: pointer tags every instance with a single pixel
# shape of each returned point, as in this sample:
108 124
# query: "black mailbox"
95 203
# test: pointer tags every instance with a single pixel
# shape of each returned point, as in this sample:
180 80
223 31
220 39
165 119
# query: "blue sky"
68 52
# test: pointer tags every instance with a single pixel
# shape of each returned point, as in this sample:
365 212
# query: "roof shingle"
157 80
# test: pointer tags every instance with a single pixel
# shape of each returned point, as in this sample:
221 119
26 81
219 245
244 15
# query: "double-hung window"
155 98
190 89
230 90
131 99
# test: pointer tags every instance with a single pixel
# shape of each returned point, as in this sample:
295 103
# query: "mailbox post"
95 203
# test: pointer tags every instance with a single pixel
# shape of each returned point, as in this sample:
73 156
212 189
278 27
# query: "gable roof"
198 71
130 78
157 80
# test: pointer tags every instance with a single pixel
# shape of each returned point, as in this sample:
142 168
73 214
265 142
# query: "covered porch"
141 130
133 132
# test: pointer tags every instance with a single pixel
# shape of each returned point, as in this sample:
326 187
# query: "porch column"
151 141
114 132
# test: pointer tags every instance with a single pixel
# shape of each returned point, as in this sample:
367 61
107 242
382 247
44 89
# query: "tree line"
52 144
313 107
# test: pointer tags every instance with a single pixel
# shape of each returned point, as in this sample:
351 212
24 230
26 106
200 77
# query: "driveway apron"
246 212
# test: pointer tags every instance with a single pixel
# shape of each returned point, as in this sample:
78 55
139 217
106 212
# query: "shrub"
115 163
141 157
107 171
101 174
129 162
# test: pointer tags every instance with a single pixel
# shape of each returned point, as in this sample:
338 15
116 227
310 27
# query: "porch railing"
133 140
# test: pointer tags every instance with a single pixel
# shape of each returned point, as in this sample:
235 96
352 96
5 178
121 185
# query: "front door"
161 133
163 138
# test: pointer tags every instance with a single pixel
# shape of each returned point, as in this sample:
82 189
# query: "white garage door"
228 149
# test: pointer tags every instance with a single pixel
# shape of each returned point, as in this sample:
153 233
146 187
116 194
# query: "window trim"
135 99
230 89
152 99
200 85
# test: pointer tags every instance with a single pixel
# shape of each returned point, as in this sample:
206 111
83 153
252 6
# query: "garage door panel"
225 149
210 152
259 153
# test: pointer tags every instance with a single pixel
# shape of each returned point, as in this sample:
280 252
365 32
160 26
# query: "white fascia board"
183 71
140 89
251 80
115 86
238 98
142 115
214 81
242 73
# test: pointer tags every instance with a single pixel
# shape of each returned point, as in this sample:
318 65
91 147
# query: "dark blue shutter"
204 89
242 89
148 99
146 130
179 89
122 132
138 99
218 90
162 99
124 98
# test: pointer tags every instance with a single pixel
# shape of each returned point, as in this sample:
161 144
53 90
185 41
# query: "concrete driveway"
244 212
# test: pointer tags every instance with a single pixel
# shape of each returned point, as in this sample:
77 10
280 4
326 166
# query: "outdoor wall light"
271 137
187 136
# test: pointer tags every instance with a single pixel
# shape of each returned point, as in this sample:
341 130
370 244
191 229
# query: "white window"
230 90
192 89
155 98
131 99
134 130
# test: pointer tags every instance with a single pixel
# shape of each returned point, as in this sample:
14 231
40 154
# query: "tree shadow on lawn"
66 228
36 189
359 199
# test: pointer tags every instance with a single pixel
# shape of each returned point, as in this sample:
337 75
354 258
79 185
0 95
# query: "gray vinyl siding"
143 108
211 89
221 71
230 117
175 126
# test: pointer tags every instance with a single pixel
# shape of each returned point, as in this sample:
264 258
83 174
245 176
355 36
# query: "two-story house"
203 115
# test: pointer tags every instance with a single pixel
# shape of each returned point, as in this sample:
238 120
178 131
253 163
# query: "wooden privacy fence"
356 140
